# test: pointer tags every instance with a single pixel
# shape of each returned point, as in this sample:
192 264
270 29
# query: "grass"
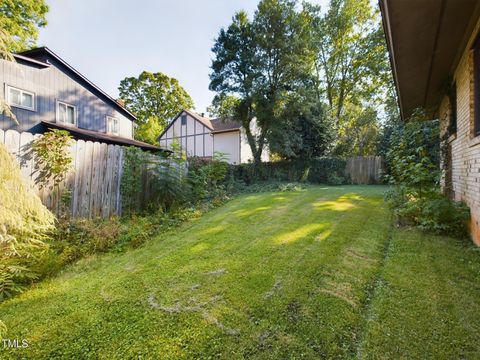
317 273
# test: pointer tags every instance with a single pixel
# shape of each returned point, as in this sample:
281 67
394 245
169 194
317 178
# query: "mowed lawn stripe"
428 302
267 275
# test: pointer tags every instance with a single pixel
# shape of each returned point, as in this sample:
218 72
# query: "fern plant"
170 186
25 223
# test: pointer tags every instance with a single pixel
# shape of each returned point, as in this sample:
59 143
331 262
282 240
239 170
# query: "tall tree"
305 130
234 73
352 61
285 59
352 70
261 62
155 99
20 19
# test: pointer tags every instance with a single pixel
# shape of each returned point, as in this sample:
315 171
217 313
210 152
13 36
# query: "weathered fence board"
365 169
93 182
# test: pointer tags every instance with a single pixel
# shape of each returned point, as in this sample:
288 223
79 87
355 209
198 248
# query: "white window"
66 113
20 98
112 125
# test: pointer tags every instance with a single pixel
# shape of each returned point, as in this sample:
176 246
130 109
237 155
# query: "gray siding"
52 84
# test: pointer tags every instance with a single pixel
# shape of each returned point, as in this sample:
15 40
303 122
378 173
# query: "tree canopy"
19 21
155 99
261 62
305 74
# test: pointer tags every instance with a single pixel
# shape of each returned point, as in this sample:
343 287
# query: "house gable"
194 136
51 81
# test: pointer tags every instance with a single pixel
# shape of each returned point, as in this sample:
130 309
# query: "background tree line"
316 81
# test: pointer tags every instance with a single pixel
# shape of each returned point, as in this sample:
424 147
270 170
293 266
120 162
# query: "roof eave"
225 130
103 137
388 38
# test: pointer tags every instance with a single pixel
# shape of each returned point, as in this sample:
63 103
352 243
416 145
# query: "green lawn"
318 273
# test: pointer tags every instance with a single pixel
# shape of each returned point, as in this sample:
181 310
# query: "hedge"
325 170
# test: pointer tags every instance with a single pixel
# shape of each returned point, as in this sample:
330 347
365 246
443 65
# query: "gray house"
45 92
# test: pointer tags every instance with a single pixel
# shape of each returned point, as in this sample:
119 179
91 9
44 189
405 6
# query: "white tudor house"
201 136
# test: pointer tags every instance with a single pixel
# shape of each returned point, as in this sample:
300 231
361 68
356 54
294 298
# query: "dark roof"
204 120
220 125
41 56
21 58
90 135
215 125
426 40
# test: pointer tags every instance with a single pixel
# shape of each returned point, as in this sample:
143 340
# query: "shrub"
169 184
325 170
151 182
53 161
443 216
131 183
24 226
413 159
75 239
208 179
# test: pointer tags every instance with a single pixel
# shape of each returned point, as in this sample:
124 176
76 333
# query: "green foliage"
20 20
224 106
414 154
358 133
75 239
53 162
131 183
351 62
413 160
317 170
149 131
173 182
24 226
53 158
155 99
6 54
285 64
352 72
259 63
305 130
208 178
169 185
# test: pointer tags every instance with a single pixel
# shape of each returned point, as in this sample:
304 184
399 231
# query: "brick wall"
464 147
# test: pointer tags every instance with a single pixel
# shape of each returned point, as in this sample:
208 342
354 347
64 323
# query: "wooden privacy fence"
93 182
364 169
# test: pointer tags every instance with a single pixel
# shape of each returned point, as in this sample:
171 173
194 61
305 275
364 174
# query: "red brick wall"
464 146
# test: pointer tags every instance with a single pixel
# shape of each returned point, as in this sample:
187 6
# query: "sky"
108 40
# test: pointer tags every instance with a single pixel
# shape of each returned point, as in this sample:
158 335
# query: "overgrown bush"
325 170
53 162
152 181
24 226
169 188
208 178
413 159
75 239
131 183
